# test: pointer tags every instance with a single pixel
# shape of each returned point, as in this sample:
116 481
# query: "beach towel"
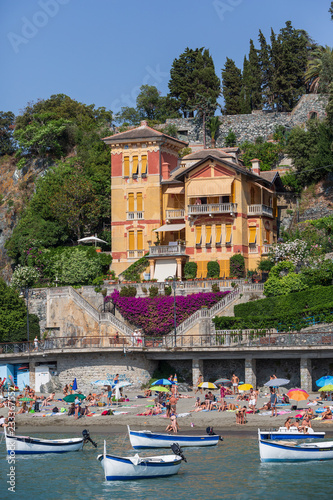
182 415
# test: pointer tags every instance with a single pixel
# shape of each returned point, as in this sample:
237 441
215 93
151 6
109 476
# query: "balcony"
254 210
213 208
253 249
265 249
134 216
176 213
166 250
135 254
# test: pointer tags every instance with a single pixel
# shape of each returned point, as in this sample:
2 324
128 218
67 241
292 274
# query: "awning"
175 190
165 269
210 187
170 227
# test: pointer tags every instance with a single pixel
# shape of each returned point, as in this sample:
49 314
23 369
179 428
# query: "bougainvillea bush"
155 315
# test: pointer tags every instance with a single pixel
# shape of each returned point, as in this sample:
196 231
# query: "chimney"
165 171
255 166
144 123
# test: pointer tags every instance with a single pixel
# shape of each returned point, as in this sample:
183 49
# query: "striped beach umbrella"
207 385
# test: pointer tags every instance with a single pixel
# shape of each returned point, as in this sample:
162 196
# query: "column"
179 268
250 372
197 369
32 375
306 374
151 264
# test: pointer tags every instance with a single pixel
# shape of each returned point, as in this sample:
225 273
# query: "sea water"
231 470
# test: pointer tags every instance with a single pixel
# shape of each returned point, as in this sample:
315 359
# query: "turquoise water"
230 470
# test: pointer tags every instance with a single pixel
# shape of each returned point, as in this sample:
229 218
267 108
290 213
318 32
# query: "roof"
203 153
142 133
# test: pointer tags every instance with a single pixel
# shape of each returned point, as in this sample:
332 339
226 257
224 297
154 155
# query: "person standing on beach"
235 382
198 383
273 401
252 400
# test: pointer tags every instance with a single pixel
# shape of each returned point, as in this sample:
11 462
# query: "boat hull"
147 439
123 468
24 445
292 433
278 452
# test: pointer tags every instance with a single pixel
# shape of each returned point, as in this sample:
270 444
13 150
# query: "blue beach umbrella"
328 379
162 381
75 385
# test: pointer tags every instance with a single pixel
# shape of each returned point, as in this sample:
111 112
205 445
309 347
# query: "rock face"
16 188
258 124
317 202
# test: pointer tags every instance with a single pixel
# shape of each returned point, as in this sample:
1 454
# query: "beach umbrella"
328 379
121 384
71 397
175 380
26 399
102 382
223 381
91 239
277 382
297 394
74 385
207 385
159 388
326 388
245 387
162 381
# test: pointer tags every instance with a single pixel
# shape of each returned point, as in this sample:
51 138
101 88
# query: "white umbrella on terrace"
91 239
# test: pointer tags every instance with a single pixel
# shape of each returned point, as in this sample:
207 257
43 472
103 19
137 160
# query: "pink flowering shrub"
155 315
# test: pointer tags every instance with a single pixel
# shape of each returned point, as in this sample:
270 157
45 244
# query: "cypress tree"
254 78
265 65
231 87
245 96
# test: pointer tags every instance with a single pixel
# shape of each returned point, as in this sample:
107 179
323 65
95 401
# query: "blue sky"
100 52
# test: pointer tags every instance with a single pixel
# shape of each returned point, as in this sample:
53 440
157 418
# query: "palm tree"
213 126
319 70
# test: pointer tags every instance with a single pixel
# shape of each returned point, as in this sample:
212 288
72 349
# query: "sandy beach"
189 422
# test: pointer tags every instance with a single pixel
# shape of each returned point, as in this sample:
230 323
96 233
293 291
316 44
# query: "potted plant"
98 249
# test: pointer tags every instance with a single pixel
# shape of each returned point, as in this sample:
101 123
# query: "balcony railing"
177 213
164 250
253 249
266 249
134 215
259 210
212 208
135 254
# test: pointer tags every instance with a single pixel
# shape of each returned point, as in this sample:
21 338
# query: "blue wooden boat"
148 439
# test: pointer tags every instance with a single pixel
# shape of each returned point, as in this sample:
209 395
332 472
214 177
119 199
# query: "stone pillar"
197 369
152 265
306 374
179 268
250 372
32 374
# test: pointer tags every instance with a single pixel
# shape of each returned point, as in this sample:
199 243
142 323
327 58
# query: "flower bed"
155 315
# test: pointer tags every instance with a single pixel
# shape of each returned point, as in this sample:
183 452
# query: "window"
135 163
198 236
140 240
228 231
253 235
225 199
208 236
252 196
218 235
126 166
131 202
131 240
139 202
267 236
233 196
143 165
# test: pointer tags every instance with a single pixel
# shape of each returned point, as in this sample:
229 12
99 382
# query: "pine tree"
254 78
231 87
193 81
265 65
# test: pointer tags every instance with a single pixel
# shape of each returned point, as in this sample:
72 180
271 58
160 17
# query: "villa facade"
205 206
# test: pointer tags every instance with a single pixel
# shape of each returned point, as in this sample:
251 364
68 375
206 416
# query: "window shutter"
131 241
253 235
228 229
218 234
268 236
198 235
126 166
135 165
233 197
143 164
139 202
131 202
140 240
208 235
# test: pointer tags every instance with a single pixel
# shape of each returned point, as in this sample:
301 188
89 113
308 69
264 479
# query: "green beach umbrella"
159 388
26 399
71 397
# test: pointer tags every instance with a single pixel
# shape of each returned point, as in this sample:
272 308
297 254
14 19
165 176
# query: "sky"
101 51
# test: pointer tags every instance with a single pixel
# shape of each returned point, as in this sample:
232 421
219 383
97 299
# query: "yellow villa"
205 206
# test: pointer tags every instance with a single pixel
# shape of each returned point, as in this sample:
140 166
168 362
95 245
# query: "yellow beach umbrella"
326 388
245 387
207 385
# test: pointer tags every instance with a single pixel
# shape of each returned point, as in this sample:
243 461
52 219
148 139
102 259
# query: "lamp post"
174 306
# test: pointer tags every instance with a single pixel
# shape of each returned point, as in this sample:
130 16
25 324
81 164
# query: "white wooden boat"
130 468
289 451
291 433
25 445
148 439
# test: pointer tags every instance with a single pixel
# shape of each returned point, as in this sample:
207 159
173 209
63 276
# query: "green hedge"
292 303
282 322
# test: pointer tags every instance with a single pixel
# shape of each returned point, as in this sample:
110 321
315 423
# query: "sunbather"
327 415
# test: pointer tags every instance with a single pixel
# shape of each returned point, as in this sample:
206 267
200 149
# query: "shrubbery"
237 266
213 269
190 270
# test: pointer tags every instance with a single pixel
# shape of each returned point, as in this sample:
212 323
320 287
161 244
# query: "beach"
126 413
